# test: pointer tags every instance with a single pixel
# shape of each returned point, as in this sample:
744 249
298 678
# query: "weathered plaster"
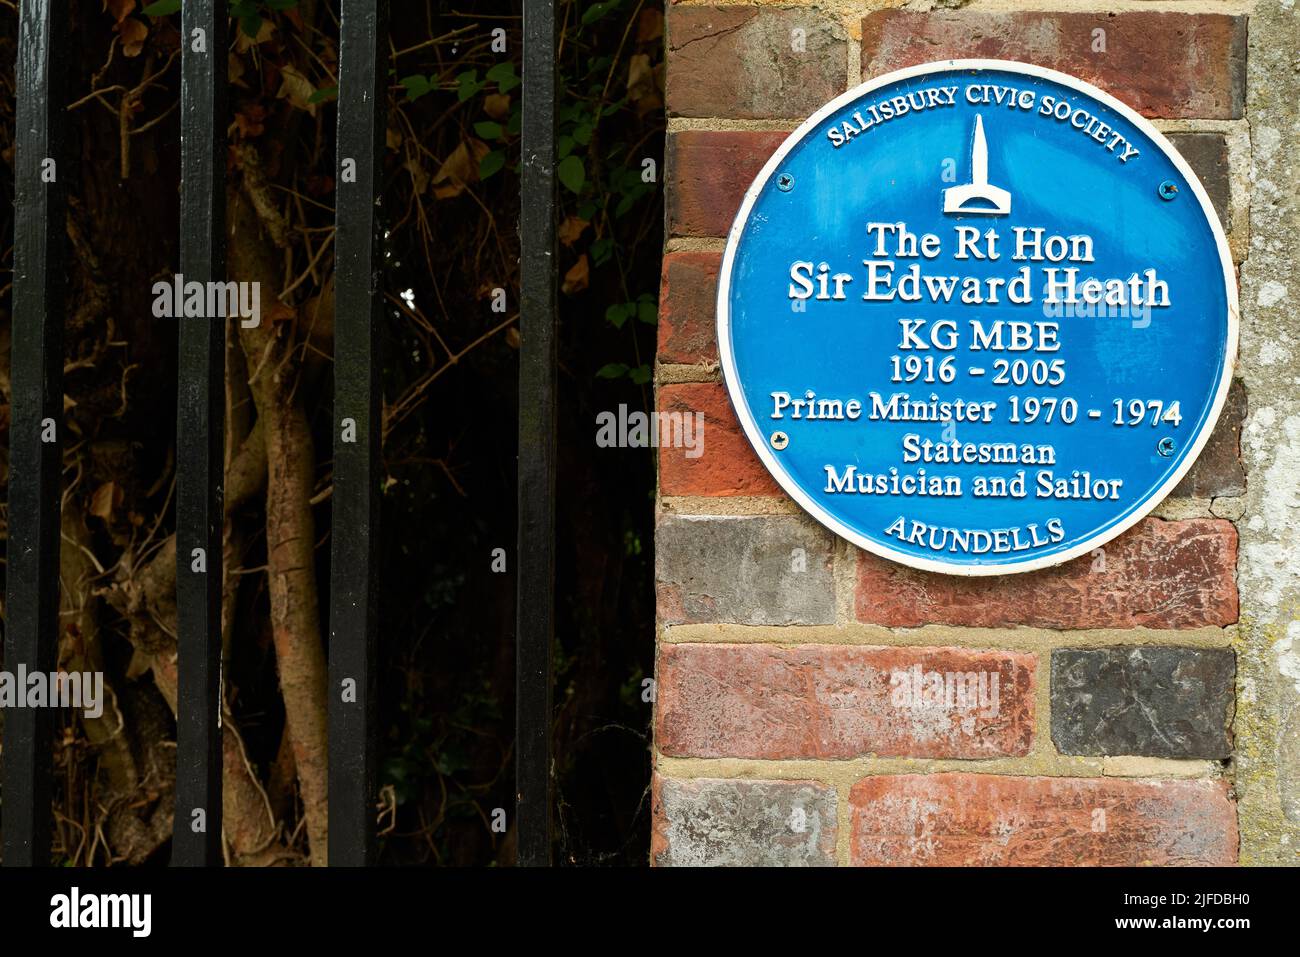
1268 708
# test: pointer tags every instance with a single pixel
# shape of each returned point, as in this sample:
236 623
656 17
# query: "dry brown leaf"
571 229
575 280
235 71
645 85
393 138
250 120
459 169
280 312
297 89
132 33
318 185
497 106
512 337
120 9
649 26
140 664
419 178
244 43
640 77
105 498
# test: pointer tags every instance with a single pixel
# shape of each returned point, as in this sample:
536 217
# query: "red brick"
1158 574
987 819
728 464
688 307
708 173
1161 64
835 702
738 61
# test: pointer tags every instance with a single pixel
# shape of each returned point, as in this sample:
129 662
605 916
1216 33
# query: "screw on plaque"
1166 447
785 182
1167 190
780 440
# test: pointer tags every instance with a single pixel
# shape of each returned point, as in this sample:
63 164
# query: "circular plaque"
977 317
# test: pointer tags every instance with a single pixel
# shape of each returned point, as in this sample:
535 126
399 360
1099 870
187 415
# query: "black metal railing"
41 170
535 569
200 433
363 78
32 586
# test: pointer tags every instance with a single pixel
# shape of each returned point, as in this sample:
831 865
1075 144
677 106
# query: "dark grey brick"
715 822
1218 469
1207 154
767 570
1153 702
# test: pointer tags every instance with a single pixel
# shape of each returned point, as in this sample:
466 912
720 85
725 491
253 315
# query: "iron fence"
32 588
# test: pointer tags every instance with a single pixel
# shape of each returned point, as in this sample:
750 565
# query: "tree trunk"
290 529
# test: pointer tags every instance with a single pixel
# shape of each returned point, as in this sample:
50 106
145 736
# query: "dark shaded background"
447 619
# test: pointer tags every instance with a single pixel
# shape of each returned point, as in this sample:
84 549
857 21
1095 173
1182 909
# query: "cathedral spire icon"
978 197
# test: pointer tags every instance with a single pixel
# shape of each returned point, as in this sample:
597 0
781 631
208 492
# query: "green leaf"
583 133
467 85
564 146
251 24
162 8
491 163
416 85
503 75
618 314
640 375
598 10
488 130
323 94
614 370
516 122
647 312
601 250
572 173
282 4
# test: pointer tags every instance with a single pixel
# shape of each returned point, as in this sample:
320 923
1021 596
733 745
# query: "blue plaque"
977 317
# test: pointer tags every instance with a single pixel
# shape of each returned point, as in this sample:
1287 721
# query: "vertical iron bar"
200 440
358 270
535 606
42 169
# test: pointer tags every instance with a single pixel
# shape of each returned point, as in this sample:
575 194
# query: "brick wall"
1101 729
